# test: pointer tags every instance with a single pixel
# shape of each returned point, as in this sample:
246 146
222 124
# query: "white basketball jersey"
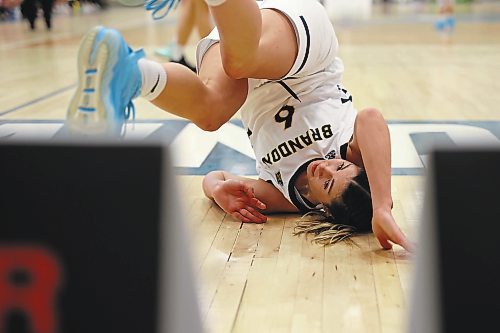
307 115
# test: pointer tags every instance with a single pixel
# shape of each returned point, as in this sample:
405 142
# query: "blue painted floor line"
412 141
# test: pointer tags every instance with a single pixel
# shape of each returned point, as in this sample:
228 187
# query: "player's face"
329 178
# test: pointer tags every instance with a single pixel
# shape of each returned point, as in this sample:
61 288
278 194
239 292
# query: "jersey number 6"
285 114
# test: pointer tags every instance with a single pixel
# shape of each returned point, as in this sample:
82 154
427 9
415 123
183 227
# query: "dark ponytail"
354 207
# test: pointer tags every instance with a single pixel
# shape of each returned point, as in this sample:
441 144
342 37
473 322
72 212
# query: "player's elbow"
369 116
369 120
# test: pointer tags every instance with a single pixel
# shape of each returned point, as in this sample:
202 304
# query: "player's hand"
237 199
387 231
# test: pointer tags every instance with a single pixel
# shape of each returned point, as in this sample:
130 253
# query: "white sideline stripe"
27 131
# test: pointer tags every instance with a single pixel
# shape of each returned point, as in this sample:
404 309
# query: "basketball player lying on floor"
276 62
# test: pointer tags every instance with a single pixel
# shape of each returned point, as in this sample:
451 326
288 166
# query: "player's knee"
237 67
216 109
209 125
234 70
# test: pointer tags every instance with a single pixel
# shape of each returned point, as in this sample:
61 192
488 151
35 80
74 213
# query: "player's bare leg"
254 43
202 18
210 99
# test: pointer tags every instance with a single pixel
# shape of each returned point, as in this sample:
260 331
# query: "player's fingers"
257 203
400 239
244 212
384 243
407 245
257 214
240 217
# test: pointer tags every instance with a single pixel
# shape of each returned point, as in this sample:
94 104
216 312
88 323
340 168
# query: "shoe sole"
89 111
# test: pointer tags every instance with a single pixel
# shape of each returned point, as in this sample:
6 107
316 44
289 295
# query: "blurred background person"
192 13
446 21
29 10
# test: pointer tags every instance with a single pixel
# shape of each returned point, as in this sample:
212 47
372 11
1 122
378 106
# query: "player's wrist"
382 202
386 208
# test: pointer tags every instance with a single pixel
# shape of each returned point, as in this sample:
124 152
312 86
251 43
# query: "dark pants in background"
29 9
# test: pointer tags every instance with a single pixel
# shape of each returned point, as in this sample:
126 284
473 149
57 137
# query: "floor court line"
37 100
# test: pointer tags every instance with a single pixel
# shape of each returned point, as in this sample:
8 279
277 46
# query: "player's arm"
245 198
371 149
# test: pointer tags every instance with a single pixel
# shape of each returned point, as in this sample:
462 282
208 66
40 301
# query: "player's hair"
346 215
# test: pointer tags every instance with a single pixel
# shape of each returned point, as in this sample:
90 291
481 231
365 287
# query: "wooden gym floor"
262 278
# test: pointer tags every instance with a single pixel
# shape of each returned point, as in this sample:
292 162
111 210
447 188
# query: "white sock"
154 78
214 3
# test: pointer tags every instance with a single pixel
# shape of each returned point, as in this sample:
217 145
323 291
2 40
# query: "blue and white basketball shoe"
109 78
